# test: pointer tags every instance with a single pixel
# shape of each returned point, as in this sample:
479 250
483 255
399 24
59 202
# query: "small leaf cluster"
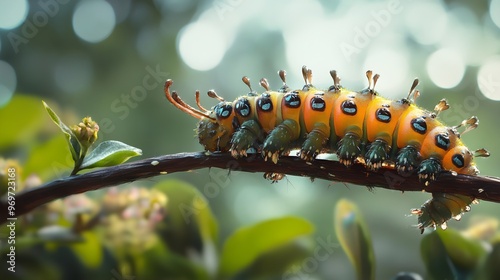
81 137
470 254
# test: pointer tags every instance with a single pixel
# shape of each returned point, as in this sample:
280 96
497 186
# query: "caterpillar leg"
349 148
249 133
429 169
407 160
279 139
440 208
376 154
274 177
314 143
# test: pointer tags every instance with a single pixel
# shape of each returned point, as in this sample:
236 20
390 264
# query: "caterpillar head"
215 128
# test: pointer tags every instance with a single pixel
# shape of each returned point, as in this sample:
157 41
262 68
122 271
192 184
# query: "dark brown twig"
484 188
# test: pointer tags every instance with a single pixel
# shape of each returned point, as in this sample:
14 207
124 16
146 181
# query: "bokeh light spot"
12 13
488 79
426 32
446 68
8 82
201 45
392 66
93 21
495 12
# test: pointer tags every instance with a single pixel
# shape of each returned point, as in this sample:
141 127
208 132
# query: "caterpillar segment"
359 126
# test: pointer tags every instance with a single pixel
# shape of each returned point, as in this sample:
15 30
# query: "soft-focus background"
109 59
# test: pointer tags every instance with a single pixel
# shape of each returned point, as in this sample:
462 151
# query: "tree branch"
485 188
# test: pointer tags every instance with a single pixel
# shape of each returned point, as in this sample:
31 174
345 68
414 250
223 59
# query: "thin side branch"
484 188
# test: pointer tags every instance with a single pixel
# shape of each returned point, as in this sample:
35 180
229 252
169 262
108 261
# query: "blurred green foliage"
354 237
19 129
149 233
449 254
257 240
80 78
170 230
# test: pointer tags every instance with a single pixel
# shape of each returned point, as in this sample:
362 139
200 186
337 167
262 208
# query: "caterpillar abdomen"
358 126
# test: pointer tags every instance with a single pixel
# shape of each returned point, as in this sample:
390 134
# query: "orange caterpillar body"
357 126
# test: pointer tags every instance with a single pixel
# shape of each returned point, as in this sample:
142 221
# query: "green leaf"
74 145
436 259
244 246
157 260
190 225
188 210
19 127
354 238
284 262
490 268
90 252
448 254
465 253
109 153
48 160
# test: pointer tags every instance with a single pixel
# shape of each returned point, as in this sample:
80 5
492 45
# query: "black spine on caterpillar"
359 126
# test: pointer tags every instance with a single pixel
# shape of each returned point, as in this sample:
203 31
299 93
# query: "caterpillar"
359 126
